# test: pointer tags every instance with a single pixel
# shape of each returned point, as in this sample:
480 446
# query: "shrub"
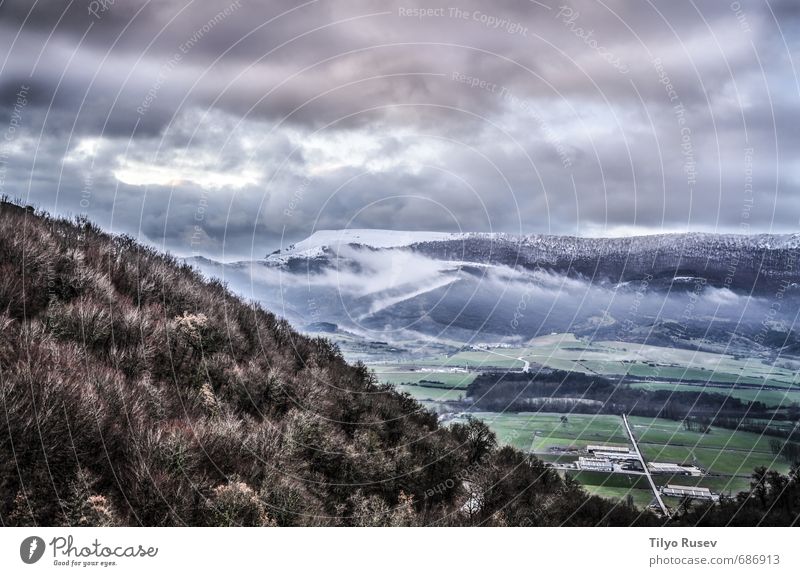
236 504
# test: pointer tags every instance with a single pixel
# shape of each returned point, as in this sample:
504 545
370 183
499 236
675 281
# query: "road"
644 465
557 466
526 365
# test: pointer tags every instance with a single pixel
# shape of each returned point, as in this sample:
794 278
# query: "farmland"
636 361
441 379
429 386
726 457
641 366
775 398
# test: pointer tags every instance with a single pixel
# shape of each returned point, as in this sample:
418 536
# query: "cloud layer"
228 128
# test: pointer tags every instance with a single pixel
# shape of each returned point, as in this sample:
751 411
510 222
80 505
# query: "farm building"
609 448
616 456
671 468
689 491
595 464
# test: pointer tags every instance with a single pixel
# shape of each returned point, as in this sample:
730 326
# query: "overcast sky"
226 128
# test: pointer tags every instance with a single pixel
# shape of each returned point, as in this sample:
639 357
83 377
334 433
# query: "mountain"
738 262
137 393
484 287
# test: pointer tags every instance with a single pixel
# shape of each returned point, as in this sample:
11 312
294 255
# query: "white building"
697 492
671 468
608 448
617 456
595 464
667 468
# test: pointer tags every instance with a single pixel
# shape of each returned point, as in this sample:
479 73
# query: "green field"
773 398
728 456
475 359
618 486
719 484
627 481
641 497
728 485
431 379
661 431
565 352
657 367
664 365
714 460
540 431
721 451
432 394
425 386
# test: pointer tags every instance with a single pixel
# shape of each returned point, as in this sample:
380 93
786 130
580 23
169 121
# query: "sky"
230 128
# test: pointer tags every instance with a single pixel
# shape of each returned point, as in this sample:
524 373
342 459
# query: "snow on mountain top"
321 239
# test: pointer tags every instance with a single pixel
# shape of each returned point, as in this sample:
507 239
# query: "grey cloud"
248 96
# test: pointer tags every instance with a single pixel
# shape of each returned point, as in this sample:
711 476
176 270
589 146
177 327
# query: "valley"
726 457
550 340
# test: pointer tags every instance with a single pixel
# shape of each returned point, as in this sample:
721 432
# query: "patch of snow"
371 238
544 248
316 244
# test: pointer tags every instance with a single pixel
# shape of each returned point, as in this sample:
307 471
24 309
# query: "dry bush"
237 504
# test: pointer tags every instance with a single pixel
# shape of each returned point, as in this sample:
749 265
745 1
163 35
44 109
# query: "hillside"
136 393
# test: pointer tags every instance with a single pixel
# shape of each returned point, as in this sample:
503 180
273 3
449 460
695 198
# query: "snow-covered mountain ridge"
316 244
466 285
739 262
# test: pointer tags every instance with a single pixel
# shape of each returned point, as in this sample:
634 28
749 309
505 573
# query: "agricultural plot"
728 456
480 359
432 394
714 460
428 379
721 451
771 398
655 366
649 363
641 497
564 352
428 386
659 431
727 485
618 486
538 432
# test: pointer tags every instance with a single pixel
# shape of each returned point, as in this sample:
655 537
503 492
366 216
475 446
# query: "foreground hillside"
135 393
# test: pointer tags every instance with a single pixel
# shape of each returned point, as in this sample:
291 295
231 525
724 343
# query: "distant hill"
136 393
734 261
487 287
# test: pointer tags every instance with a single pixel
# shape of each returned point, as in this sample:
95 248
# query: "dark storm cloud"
267 117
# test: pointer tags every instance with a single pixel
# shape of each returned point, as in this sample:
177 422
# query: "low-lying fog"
393 294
